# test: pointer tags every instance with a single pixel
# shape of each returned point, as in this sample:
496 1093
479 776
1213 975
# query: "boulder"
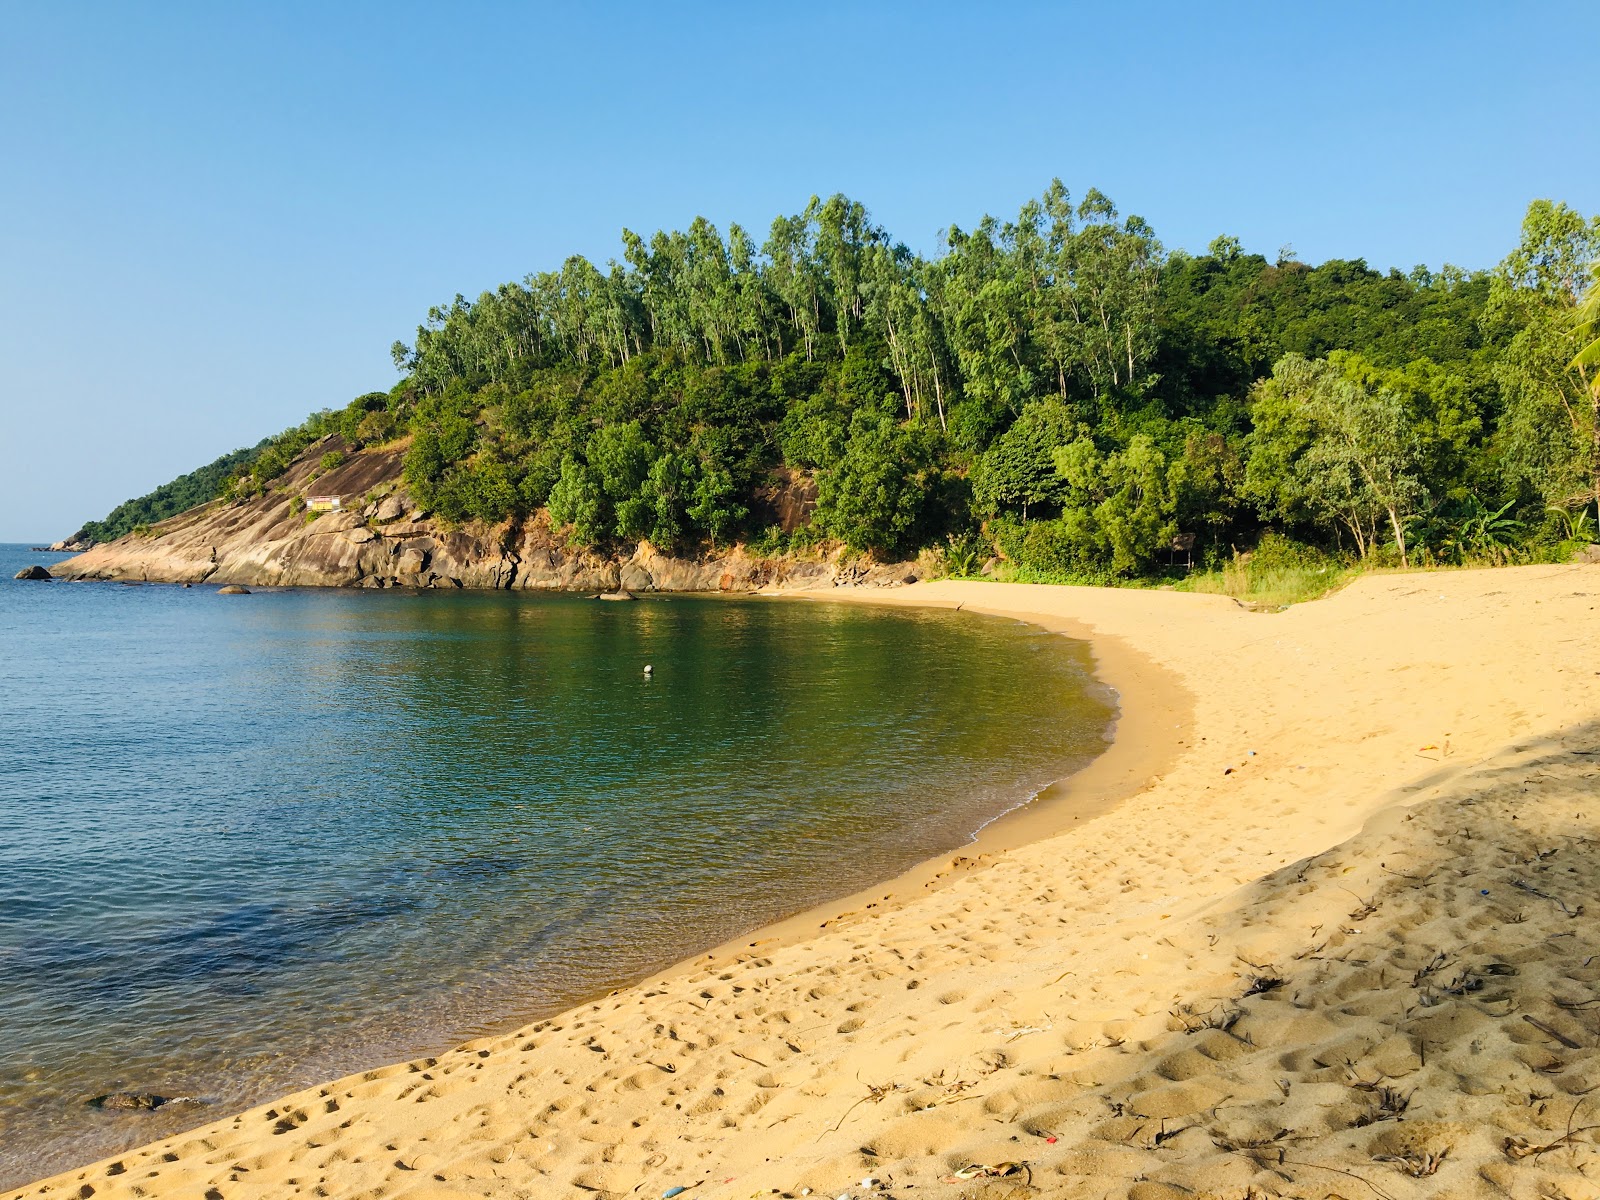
413 560
390 508
358 535
233 589
35 572
1589 554
636 578
622 595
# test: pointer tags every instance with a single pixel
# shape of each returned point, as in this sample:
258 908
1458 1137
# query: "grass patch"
1277 573
1011 572
1269 586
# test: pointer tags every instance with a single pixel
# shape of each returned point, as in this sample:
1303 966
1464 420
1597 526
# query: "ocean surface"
250 843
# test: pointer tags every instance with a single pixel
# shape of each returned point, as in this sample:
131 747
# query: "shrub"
1277 573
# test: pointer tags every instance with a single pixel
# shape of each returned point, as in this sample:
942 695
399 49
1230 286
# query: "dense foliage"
1058 389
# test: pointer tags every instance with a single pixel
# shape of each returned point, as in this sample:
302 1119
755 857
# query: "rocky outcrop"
34 572
379 538
131 1101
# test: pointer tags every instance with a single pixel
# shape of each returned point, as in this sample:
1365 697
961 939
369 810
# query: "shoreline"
1141 748
1058 1006
1115 771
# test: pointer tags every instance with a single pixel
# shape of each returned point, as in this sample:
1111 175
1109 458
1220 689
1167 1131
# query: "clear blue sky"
215 218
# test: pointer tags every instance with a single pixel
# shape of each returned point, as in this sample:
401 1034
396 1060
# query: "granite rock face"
378 537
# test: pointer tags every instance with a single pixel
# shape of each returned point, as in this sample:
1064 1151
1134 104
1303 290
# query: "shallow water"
250 843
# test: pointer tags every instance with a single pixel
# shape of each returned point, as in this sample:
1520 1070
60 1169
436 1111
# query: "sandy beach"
1316 925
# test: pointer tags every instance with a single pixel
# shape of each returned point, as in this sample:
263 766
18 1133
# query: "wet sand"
1313 926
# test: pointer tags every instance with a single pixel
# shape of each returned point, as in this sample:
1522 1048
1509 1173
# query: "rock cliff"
378 537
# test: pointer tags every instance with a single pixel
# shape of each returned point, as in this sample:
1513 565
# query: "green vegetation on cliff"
1057 389
170 499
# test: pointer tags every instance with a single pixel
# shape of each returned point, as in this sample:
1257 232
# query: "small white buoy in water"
649 670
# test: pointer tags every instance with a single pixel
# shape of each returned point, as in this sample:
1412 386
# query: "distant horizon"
218 221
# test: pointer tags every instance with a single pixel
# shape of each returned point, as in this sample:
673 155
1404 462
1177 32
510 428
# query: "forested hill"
1056 389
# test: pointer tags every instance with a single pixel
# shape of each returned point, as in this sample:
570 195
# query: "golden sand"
1333 942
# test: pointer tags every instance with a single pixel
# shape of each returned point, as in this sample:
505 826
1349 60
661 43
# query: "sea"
252 843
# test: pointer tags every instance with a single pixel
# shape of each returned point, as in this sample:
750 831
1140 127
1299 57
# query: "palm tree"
1586 362
1589 325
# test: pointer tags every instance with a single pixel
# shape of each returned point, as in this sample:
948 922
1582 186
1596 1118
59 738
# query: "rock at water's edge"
34 572
233 589
131 1100
624 595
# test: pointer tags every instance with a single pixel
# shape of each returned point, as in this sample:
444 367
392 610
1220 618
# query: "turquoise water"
250 843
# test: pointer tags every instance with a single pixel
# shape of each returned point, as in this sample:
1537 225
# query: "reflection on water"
247 843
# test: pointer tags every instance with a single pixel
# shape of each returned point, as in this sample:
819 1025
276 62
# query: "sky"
216 218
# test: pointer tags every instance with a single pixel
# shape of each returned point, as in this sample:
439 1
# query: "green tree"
872 499
669 490
1329 448
620 458
1018 470
578 500
1587 359
1118 509
1550 428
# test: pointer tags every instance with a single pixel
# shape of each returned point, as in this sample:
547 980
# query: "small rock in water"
620 595
131 1101
649 670
34 572
233 589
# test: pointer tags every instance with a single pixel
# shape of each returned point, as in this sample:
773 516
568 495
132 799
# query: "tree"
872 499
1018 470
1117 509
716 506
1551 422
577 500
1327 447
668 491
619 460
1588 356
